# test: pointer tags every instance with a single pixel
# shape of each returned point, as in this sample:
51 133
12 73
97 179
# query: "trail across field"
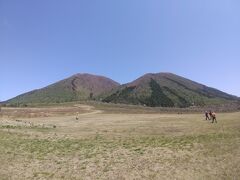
90 110
101 145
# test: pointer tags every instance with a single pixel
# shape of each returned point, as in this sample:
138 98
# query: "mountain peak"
152 89
168 89
81 86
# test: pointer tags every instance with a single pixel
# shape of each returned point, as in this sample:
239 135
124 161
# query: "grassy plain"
49 143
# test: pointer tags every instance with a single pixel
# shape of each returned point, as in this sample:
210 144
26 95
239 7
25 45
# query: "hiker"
210 114
214 118
206 115
77 116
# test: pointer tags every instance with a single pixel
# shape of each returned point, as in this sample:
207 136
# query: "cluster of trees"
158 98
122 96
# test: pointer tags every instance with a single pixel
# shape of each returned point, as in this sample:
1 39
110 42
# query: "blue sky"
44 41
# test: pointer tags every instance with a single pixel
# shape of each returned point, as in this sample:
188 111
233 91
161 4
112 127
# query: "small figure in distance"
210 114
214 118
206 115
77 116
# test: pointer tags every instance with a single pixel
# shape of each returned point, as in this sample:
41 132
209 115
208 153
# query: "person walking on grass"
206 115
77 116
214 117
210 114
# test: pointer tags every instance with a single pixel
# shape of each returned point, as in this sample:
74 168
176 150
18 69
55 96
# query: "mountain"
74 88
155 90
167 90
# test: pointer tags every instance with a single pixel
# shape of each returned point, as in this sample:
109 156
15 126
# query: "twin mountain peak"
155 90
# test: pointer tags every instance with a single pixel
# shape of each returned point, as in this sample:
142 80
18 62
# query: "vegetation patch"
158 98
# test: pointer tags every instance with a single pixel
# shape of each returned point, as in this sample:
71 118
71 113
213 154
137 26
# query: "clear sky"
44 41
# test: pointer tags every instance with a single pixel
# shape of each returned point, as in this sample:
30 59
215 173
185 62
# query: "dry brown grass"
118 146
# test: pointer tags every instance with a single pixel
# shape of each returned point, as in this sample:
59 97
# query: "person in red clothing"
210 114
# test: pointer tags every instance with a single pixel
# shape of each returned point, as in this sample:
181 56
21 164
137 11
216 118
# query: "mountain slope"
167 90
76 87
156 90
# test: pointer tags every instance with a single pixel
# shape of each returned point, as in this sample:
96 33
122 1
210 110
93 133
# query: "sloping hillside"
76 87
167 90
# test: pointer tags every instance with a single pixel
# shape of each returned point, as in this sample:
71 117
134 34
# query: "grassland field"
117 143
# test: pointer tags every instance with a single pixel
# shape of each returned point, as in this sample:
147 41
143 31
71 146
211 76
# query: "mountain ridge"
162 89
81 86
176 90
